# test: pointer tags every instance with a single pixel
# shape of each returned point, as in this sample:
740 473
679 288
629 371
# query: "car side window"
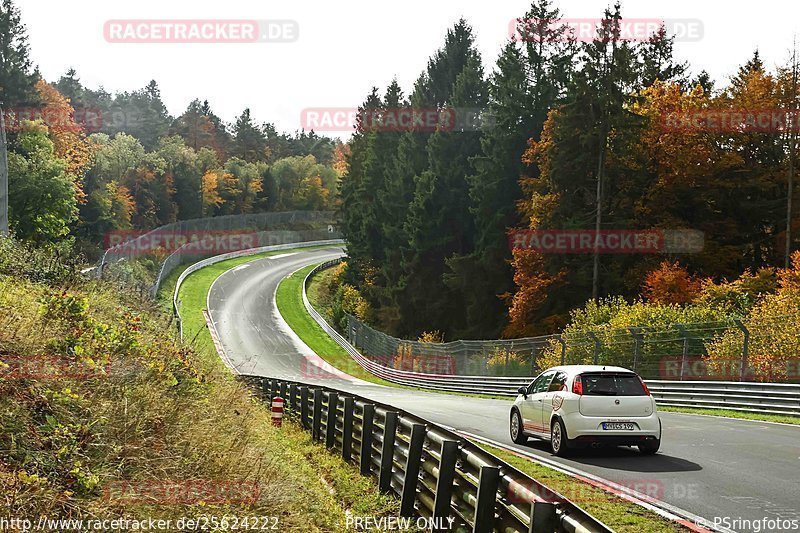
559 382
541 383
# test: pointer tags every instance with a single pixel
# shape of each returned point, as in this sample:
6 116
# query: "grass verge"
728 413
618 514
289 299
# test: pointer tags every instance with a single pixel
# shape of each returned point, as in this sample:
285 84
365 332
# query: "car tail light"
646 390
577 386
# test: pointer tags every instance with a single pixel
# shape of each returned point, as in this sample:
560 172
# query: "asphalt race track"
711 467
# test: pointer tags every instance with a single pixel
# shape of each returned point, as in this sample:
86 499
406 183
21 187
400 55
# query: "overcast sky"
346 47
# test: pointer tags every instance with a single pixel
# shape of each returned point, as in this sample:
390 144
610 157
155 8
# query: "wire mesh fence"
145 260
723 351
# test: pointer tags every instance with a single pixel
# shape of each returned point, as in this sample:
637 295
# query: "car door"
531 407
553 397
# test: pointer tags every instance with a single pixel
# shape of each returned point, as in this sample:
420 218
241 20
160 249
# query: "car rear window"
612 384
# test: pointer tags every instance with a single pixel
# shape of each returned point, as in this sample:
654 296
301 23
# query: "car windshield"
608 384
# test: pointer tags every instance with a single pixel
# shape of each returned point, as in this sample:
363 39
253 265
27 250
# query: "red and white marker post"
277 411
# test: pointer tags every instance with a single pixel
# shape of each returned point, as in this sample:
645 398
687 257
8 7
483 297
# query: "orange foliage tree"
69 139
671 283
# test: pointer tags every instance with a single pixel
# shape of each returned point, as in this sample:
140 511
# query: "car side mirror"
523 391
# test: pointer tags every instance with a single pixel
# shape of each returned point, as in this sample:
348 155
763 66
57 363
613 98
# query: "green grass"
290 304
619 514
763 417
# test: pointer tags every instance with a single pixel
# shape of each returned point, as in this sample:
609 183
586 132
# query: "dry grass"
144 409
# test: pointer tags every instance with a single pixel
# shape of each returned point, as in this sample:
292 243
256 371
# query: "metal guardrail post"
685 355
447 473
387 451
413 463
488 481
330 421
293 396
284 390
273 388
347 428
316 422
543 518
596 354
563 343
745 348
304 401
638 338
262 387
367 430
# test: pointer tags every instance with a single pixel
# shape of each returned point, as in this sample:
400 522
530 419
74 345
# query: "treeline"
577 139
83 162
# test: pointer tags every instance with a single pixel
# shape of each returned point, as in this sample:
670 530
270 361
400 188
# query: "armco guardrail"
435 472
217 258
775 398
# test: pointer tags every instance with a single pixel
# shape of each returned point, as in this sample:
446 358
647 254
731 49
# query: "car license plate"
618 426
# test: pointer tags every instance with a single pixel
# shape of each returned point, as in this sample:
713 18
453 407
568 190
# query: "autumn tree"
69 139
669 284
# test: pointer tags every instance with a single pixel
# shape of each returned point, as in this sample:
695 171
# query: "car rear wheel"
517 434
650 447
558 438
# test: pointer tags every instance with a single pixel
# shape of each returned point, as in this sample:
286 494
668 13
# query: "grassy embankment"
112 396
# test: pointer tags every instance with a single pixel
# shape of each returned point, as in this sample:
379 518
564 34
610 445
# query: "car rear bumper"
590 429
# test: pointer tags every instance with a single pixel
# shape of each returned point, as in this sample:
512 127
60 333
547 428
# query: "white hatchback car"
580 405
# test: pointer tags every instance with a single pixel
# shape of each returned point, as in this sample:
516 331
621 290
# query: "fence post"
637 339
685 356
304 400
284 388
367 429
563 348
316 422
347 428
387 451
447 473
330 421
413 463
274 389
488 481
543 517
596 341
293 397
745 348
